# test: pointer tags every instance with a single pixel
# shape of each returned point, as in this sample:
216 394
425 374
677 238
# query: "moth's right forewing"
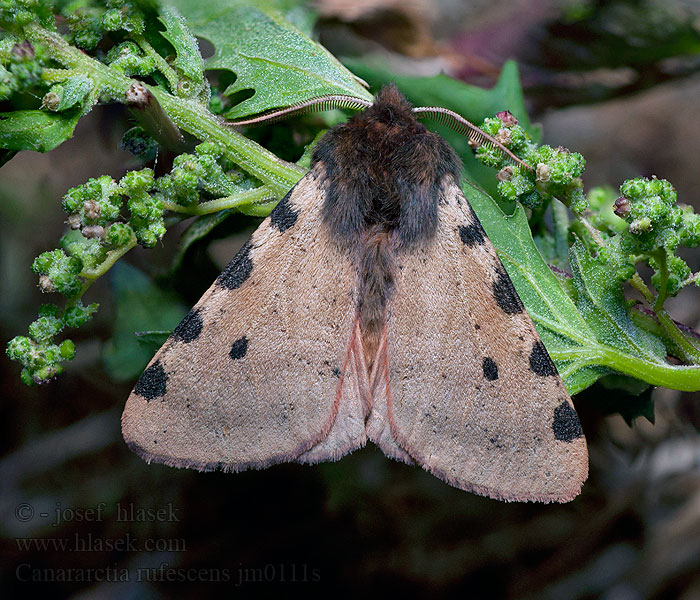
469 390
252 376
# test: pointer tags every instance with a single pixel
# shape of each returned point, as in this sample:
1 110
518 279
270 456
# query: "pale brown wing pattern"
472 394
256 374
348 428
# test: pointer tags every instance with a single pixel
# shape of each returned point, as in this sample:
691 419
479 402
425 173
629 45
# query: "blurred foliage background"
617 81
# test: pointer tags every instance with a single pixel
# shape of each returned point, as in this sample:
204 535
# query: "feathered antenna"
301 108
475 136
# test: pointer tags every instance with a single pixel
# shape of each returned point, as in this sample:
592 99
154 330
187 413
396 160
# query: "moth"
369 305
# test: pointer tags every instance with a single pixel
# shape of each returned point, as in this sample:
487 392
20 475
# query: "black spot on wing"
152 383
490 369
284 216
566 426
239 348
504 293
238 270
472 235
336 372
496 442
540 362
189 328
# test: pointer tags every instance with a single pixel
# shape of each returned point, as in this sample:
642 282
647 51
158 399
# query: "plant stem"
682 378
660 256
112 257
638 283
594 233
56 75
196 119
254 196
90 276
648 321
691 353
187 114
560 216
691 279
162 64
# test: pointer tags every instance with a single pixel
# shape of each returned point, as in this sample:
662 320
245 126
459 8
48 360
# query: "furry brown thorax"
384 175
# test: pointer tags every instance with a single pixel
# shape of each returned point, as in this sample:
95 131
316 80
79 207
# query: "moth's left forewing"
470 392
257 373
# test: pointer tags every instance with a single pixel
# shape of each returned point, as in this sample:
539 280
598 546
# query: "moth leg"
347 431
378 425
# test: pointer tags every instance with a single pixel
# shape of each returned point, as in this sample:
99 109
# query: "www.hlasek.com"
270 573
90 543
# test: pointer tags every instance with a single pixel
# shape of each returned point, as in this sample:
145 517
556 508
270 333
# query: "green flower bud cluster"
85 28
505 129
40 357
137 141
215 170
123 16
20 66
96 202
95 215
88 24
205 170
181 185
656 227
601 201
555 172
95 206
92 208
676 273
146 208
118 234
516 184
90 252
59 272
15 14
651 211
128 58
62 270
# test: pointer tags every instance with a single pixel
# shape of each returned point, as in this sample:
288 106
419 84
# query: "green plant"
152 64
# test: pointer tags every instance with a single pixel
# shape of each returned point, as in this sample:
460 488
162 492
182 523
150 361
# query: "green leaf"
600 300
188 61
152 340
591 337
197 230
634 407
36 129
140 306
280 63
619 394
473 103
74 91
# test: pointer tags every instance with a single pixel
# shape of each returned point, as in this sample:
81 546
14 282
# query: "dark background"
610 80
